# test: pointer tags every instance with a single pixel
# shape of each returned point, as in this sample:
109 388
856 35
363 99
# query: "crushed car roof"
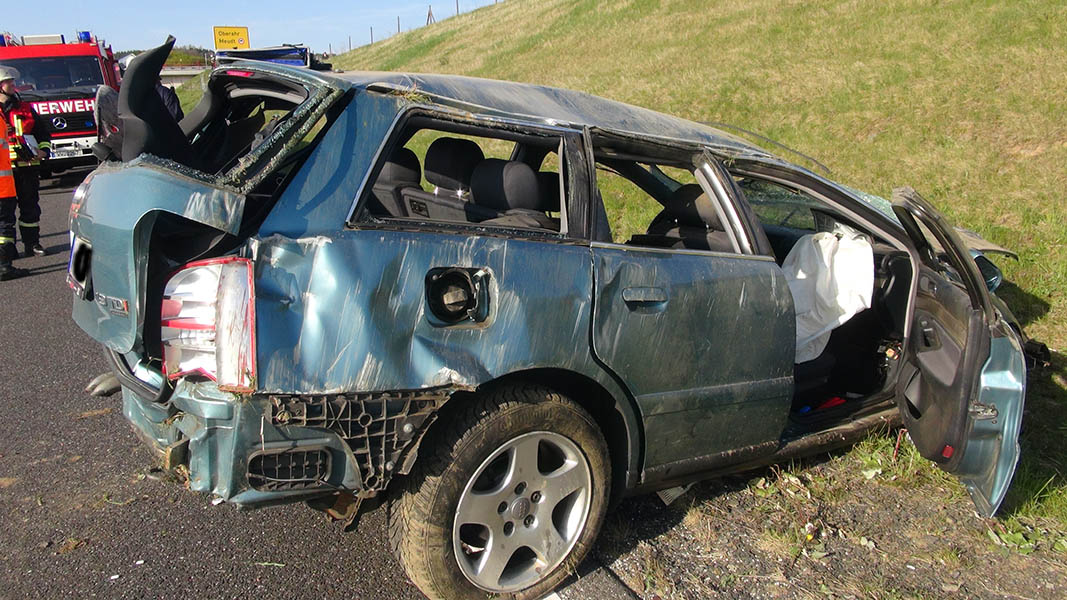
544 103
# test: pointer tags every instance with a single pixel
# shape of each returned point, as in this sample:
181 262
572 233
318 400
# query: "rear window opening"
447 172
654 203
236 116
248 123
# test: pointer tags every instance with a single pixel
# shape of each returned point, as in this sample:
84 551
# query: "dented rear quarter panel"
348 312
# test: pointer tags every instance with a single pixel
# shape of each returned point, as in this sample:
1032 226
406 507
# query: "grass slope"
966 100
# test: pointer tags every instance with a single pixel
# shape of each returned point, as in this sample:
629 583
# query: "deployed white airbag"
831 277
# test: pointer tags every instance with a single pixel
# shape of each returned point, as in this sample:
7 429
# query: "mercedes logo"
59 123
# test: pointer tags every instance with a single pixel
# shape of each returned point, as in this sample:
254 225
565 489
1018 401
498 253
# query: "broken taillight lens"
208 323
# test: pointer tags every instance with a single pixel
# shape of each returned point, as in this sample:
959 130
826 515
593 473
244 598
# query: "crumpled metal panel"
116 217
992 451
349 312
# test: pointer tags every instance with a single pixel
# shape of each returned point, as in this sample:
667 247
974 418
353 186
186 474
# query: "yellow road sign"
231 38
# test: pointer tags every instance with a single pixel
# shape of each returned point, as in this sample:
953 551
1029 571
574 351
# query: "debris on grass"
268 564
7 482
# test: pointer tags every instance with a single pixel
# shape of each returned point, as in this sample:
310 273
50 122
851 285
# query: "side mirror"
990 272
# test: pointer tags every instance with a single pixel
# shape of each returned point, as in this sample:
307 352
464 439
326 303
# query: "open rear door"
962 387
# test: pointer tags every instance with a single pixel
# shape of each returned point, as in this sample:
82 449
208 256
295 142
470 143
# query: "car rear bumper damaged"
264 450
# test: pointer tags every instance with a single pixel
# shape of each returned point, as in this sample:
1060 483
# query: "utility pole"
349 43
429 16
457 8
398 24
372 35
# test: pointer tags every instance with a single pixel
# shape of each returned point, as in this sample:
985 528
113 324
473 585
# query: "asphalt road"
82 516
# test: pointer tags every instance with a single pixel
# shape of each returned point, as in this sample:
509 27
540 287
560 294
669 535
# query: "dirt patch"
840 528
7 482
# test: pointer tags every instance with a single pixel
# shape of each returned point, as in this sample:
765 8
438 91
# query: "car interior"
450 172
238 111
852 371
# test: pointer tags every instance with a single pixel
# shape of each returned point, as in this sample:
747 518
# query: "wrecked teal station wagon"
497 307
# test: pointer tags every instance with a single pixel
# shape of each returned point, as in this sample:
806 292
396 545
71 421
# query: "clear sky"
130 25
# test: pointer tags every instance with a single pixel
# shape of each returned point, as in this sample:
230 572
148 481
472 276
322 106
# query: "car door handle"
644 295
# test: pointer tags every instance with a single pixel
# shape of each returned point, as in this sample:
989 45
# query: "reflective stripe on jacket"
22 120
7 176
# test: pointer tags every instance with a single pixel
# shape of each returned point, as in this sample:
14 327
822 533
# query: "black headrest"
451 161
549 183
402 167
505 185
689 206
147 126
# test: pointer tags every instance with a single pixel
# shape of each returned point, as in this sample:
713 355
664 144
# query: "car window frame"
709 173
571 163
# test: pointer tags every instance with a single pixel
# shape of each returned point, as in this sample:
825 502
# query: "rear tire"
506 499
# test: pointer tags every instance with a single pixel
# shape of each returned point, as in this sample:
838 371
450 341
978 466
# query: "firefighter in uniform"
20 119
7 212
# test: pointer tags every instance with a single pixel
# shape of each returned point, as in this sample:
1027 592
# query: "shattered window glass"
778 205
877 202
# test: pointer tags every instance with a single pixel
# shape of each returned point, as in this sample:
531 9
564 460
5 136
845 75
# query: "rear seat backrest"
401 171
449 165
512 188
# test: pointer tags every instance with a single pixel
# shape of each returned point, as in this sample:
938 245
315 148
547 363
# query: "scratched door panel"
704 341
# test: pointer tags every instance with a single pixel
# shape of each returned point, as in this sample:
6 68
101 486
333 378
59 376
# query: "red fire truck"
60 80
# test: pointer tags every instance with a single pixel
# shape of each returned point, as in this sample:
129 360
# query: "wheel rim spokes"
522 511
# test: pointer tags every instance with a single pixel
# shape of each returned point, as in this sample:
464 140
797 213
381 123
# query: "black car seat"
512 188
688 220
449 165
147 126
401 172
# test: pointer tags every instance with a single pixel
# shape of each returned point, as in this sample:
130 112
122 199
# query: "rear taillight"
208 323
